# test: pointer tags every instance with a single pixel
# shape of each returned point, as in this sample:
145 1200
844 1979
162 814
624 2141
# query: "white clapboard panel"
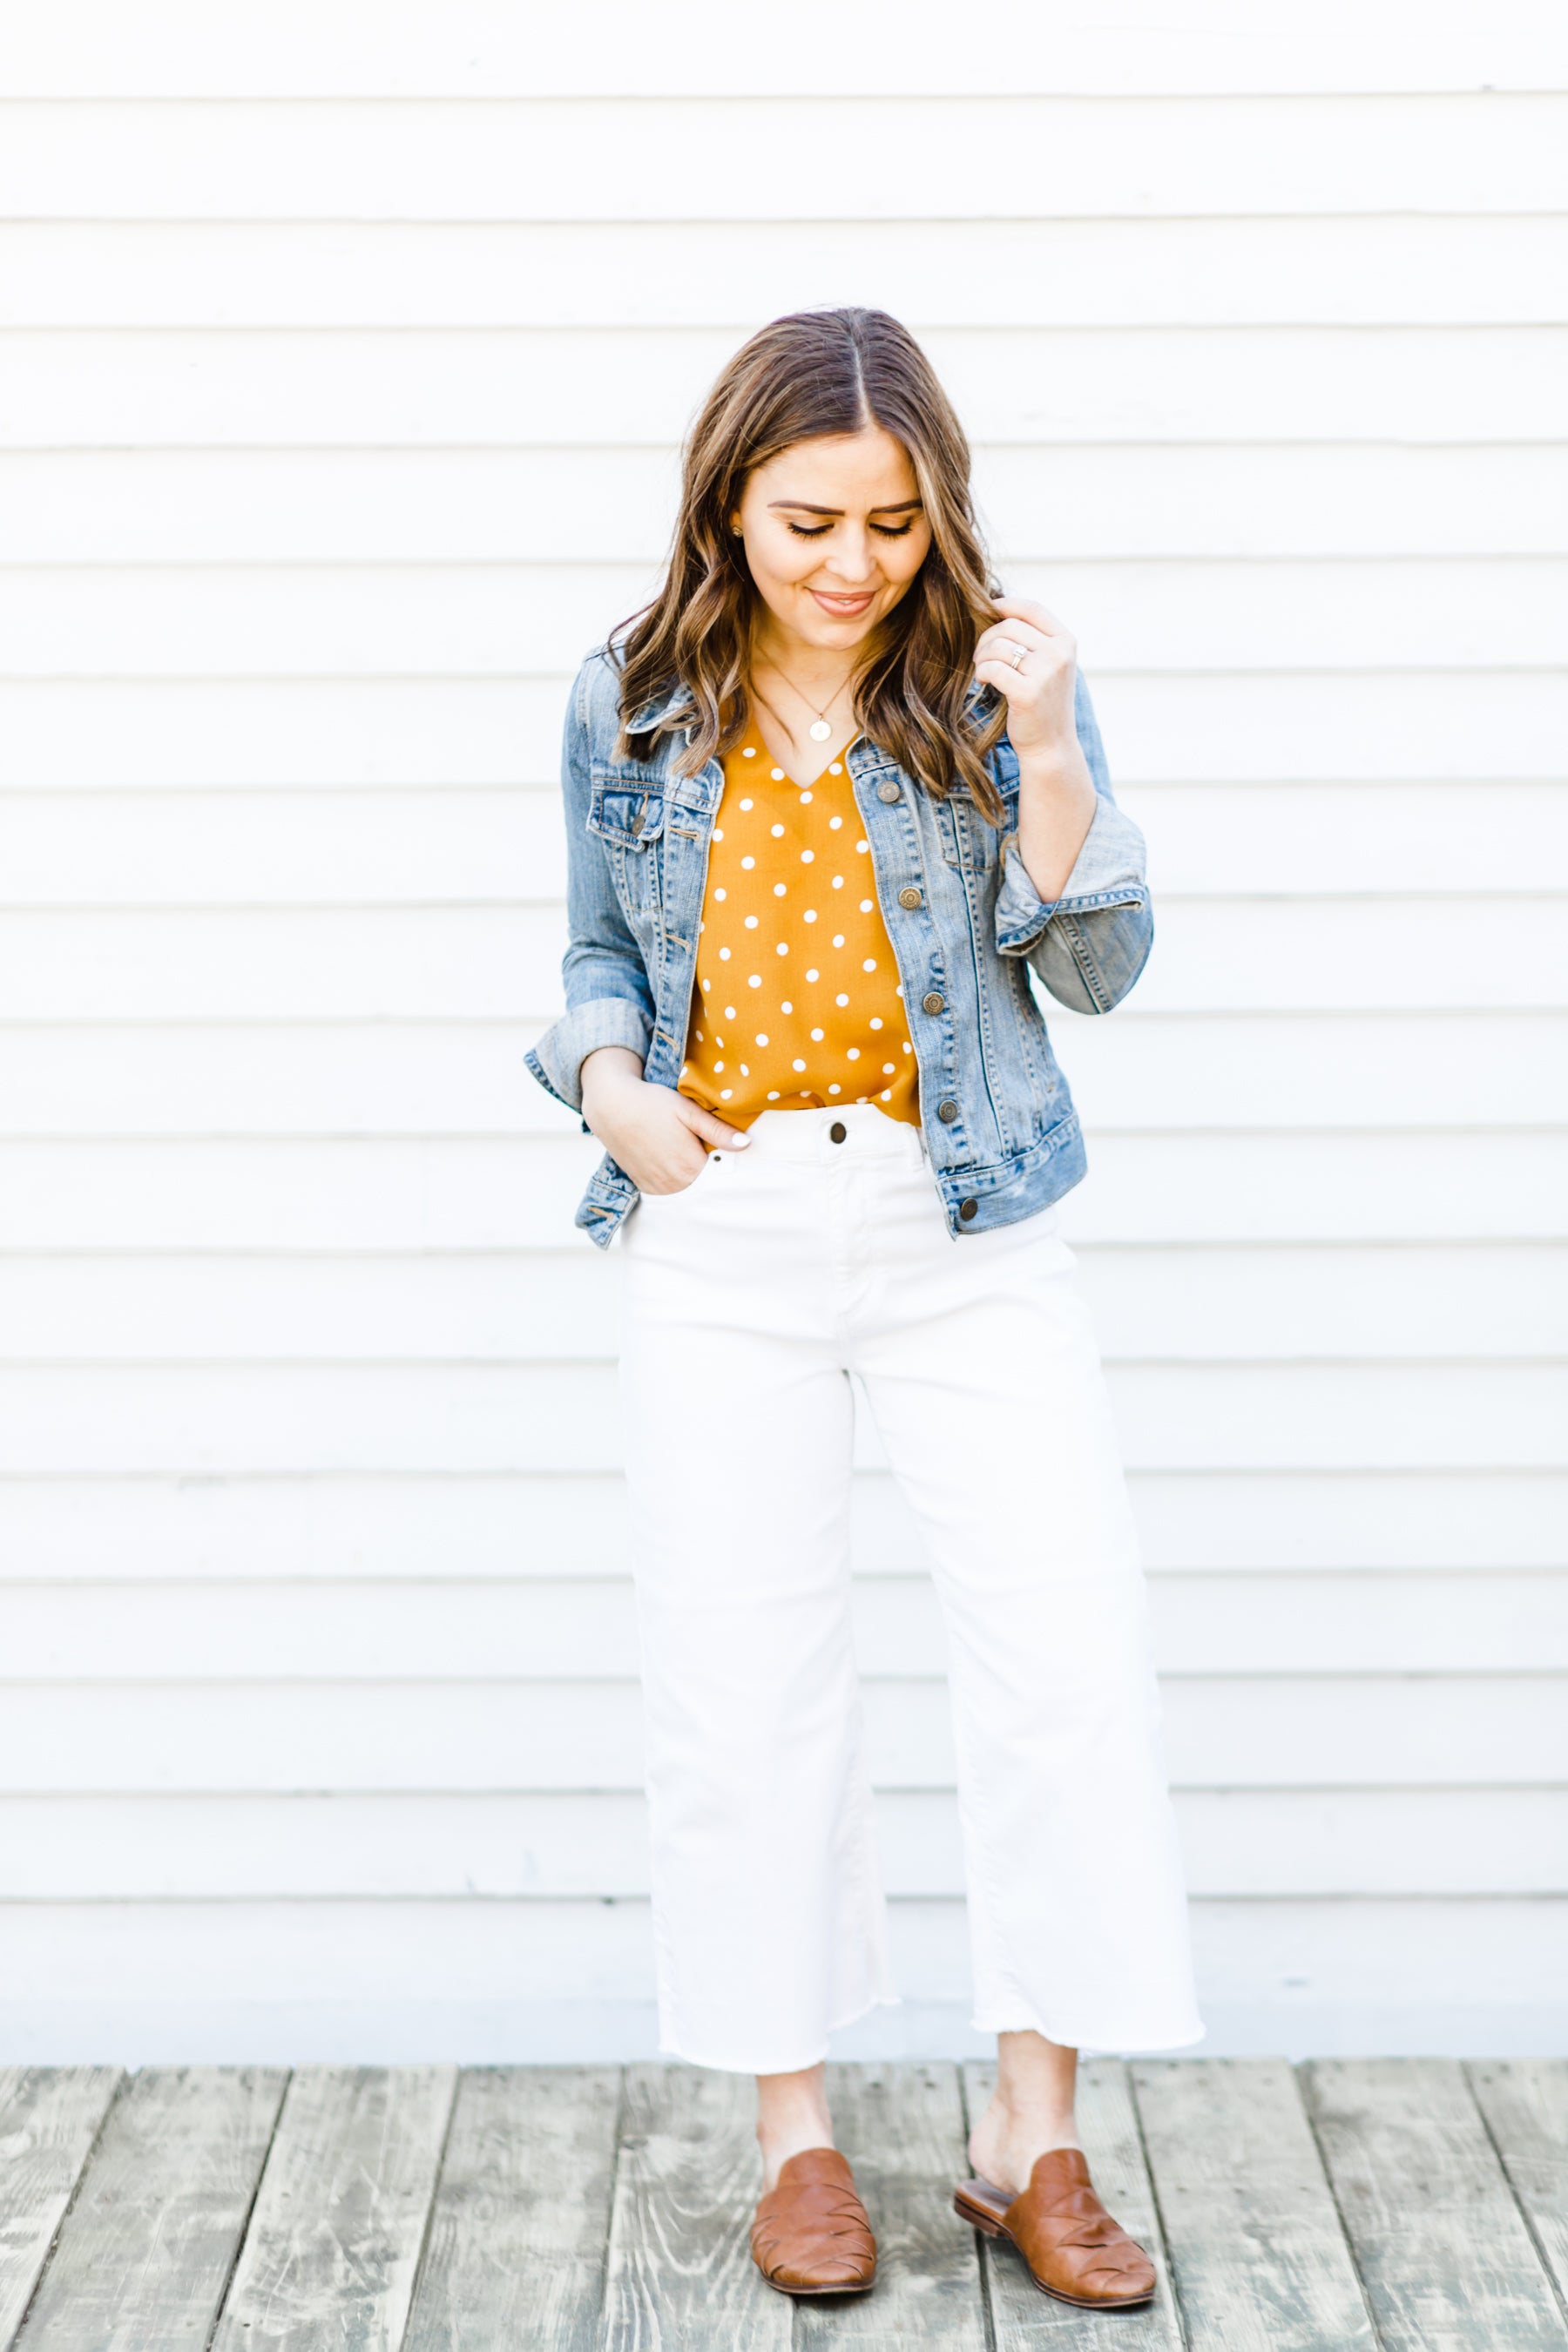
479 963
450 1628
612 389
502 620
393 1524
988 159
501 1194
1241 1069
1261 1731
457 1418
476 49
1393 270
1267 1841
1259 1304
289 733
340 848
1040 506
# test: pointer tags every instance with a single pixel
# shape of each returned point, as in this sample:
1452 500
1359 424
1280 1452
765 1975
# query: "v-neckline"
759 744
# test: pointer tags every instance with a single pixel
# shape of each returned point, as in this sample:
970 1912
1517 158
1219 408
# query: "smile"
844 607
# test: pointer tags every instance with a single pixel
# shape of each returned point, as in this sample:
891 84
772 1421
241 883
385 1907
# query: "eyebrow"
804 505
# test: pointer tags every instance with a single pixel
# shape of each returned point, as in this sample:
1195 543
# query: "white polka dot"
749 752
869 964
809 916
707 984
814 975
862 847
755 981
838 939
700 1036
747 864
908 1047
772 1094
886 1069
719 1065
838 881
718 832
686 1069
777 775
853 1055
723 955
834 823
781 890
897 991
841 1000
887 1094
720 894
816 1035
876 1020
797 1066
835 1090
786 1006
751 921
805 799
777 832
729 1013
809 856
745 1071
746 804
865 906
760 1038
836 770
780 949
725 1092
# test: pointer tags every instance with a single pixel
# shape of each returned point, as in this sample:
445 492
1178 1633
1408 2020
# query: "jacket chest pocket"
628 813
966 839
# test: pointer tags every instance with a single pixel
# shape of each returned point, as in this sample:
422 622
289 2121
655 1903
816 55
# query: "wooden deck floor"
1416 2204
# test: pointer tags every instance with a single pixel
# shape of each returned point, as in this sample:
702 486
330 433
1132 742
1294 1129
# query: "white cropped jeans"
749 1298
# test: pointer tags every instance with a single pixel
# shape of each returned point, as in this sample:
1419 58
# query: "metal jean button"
889 790
947 1112
967 1209
909 897
933 1003
837 1132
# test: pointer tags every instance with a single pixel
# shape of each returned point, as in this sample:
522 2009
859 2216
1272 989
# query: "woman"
826 799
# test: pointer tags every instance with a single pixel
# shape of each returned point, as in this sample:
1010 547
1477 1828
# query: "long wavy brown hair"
815 373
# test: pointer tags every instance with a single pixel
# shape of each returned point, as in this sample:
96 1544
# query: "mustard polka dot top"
797 1004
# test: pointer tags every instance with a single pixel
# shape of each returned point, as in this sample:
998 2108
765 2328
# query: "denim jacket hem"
557 1059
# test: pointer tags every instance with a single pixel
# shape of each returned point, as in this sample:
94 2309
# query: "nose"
853 559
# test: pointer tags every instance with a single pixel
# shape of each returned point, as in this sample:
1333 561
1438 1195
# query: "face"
834 533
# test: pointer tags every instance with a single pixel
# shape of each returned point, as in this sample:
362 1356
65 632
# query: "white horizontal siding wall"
343 358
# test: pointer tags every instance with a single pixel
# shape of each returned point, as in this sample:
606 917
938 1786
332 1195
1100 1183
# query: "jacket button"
933 1003
968 1209
909 897
837 1132
947 1112
889 790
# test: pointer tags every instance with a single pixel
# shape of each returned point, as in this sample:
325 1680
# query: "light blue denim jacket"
1000 1129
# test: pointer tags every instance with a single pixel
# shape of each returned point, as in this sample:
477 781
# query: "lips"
844 608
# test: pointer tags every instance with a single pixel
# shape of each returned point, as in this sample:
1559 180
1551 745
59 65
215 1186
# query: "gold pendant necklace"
821 729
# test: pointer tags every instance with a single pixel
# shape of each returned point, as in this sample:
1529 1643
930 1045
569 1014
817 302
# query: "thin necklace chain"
822 718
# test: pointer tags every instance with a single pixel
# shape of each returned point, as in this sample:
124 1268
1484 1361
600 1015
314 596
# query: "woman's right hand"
656 1135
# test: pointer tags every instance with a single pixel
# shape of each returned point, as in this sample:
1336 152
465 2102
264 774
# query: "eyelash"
881 530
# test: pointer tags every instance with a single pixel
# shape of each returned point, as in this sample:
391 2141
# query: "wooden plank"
1256 2247
150 2243
902 2127
1021 2316
517 2246
49 2119
1525 2104
680 2276
340 2220
1444 2254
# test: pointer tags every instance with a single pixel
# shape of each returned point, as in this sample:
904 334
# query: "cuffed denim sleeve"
608 999
1089 945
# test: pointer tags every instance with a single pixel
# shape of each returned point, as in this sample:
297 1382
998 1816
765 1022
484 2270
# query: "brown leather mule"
1074 2248
812 2235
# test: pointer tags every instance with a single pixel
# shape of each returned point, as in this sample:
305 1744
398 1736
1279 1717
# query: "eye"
801 532
899 530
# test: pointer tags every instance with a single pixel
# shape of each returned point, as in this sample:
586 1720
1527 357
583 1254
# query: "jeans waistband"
859 1131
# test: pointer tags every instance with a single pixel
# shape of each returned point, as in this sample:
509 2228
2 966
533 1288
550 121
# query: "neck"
820 672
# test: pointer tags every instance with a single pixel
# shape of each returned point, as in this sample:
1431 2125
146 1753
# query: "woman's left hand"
1032 660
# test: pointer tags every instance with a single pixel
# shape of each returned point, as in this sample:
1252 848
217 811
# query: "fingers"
1024 608
710 1127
